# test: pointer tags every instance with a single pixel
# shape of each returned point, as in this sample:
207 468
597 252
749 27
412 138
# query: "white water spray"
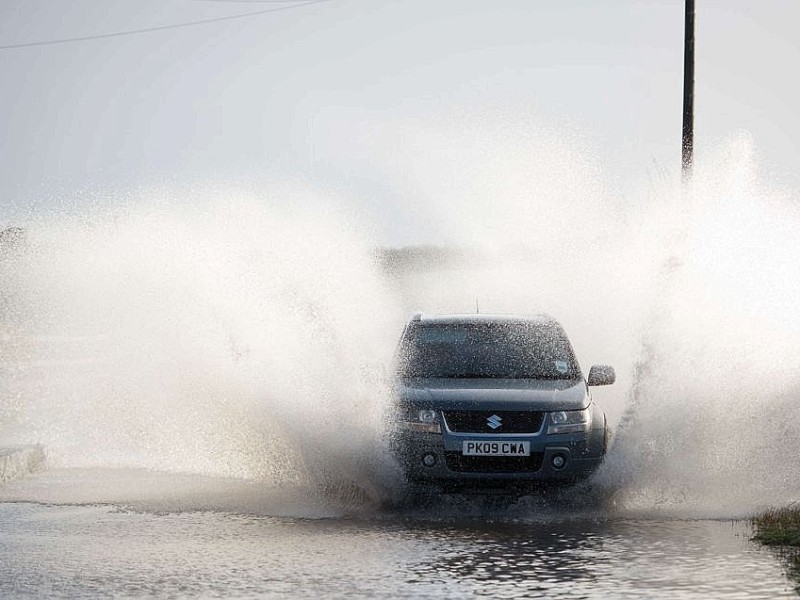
231 336
227 338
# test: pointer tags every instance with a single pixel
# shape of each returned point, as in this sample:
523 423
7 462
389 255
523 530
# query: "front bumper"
581 454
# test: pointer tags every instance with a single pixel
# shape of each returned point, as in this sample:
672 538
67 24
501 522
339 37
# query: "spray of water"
713 427
227 338
236 335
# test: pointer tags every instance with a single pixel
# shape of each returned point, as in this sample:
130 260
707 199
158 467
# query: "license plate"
481 448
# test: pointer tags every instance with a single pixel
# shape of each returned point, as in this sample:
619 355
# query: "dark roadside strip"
780 528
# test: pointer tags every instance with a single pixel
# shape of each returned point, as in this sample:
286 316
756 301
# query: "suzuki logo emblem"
494 421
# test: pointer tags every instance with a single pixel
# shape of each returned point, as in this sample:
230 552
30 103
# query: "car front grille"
459 463
480 421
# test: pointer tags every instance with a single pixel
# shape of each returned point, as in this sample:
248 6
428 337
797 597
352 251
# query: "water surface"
229 545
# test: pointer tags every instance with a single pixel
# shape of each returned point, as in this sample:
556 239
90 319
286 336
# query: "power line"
255 1
161 27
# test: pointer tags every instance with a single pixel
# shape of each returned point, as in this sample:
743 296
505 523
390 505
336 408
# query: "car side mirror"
601 375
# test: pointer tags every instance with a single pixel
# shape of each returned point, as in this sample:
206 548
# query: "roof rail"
417 316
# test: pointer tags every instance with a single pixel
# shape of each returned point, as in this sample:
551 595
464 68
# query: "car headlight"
570 421
427 415
423 420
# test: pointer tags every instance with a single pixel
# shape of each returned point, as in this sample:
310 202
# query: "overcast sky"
327 92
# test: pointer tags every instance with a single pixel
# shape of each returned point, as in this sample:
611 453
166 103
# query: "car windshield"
508 350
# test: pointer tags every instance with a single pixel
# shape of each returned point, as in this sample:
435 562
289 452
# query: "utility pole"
687 155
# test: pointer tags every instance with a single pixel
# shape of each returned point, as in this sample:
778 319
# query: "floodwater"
206 537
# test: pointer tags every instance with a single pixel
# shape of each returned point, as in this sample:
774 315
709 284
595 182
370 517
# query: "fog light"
429 459
559 461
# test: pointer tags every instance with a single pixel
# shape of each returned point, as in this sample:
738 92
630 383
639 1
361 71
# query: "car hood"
493 394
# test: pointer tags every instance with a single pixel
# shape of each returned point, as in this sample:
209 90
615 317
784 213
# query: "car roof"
478 318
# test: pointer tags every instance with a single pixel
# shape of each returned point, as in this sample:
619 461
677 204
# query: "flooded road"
211 538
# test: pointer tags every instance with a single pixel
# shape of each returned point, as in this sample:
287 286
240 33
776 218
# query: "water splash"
715 423
238 334
223 339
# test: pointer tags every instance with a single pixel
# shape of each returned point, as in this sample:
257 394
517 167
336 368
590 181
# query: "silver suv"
488 402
